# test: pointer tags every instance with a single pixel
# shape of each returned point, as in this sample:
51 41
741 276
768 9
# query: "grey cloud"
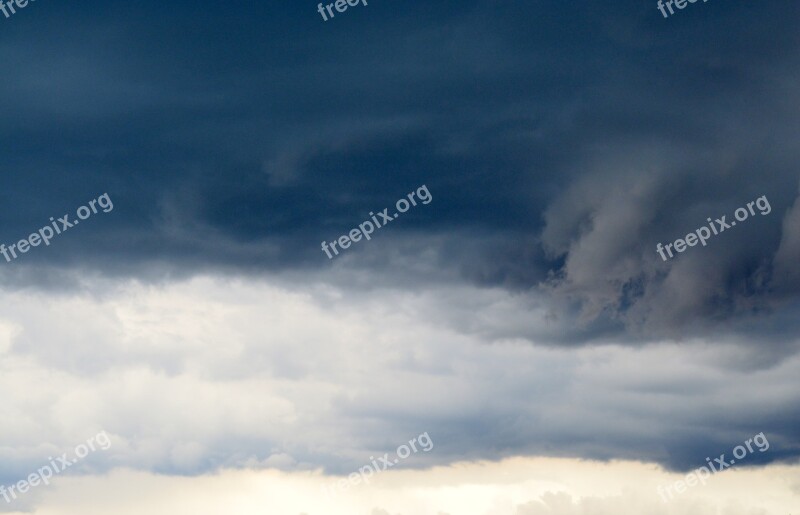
555 160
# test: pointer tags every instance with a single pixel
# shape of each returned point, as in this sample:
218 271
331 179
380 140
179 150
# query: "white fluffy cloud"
212 373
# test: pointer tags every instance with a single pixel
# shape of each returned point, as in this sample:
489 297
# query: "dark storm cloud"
560 145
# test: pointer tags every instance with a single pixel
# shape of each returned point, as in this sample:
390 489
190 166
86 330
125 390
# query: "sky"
537 312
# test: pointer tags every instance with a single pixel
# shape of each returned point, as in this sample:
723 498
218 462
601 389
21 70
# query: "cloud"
786 277
606 233
552 163
523 313
518 487
306 377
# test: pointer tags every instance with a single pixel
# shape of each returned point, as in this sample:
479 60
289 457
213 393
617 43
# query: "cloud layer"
299 378
560 149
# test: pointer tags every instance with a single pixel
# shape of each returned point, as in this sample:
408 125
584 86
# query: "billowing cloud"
307 377
524 313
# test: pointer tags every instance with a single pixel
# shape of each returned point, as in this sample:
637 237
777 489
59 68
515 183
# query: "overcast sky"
522 317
